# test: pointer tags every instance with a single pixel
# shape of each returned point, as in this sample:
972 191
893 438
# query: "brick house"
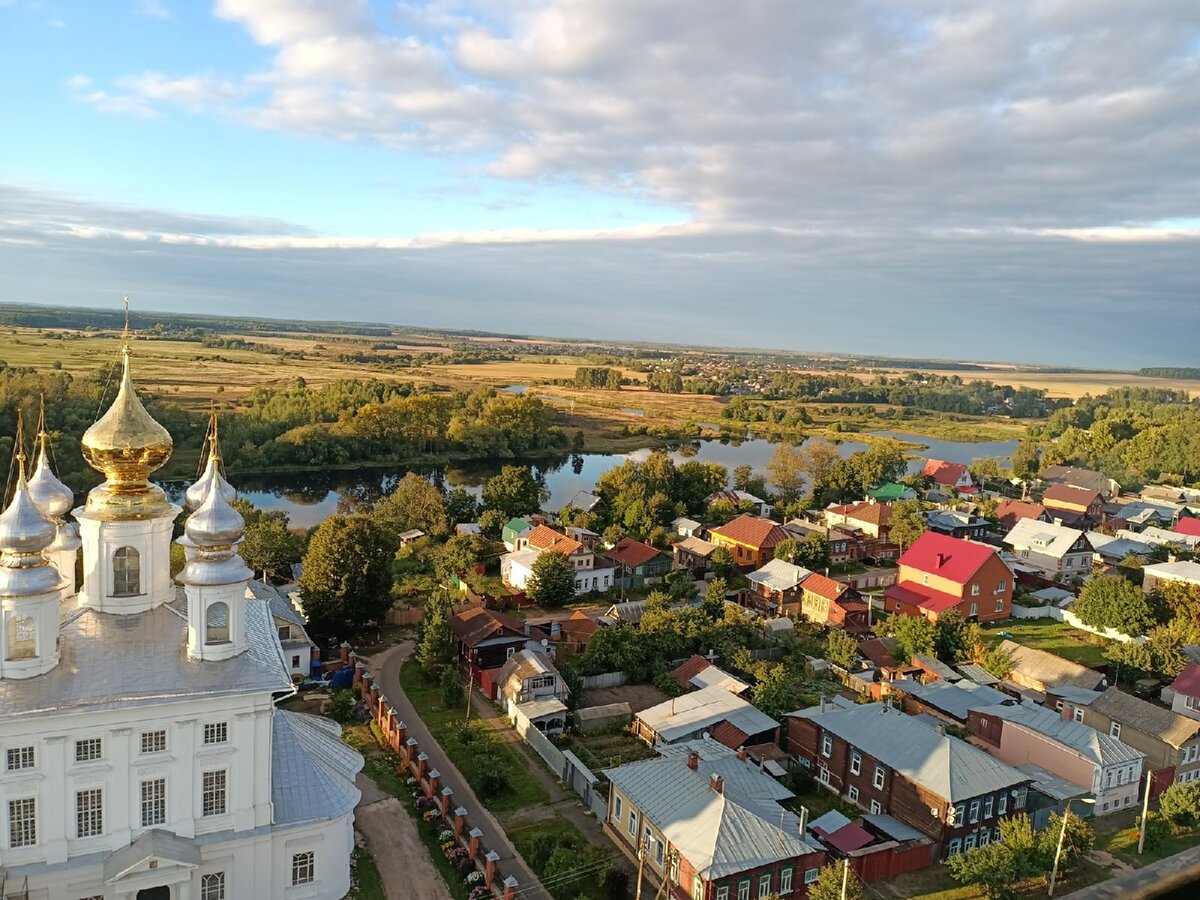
887 762
775 588
711 825
938 573
868 525
1170 741
751 540
832 603
1073 504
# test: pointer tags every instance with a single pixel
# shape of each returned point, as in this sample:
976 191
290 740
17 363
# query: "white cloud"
155 9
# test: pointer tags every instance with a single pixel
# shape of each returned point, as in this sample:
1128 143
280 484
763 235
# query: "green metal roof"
889 491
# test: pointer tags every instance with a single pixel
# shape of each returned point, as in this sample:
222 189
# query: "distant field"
1073 385
507 372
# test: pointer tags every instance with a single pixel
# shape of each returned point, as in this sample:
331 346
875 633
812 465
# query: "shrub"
341 707
1180 804
492 775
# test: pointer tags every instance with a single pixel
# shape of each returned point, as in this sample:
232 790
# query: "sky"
958 179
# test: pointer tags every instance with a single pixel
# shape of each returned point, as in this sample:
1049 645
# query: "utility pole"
1058 852
470 690
845 876
1145 812
641 866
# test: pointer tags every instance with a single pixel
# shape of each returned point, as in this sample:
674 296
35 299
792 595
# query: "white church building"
142 756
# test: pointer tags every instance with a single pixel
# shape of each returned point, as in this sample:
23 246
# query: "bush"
1158 830
665 683
452 688
341 707
1180 804
492 774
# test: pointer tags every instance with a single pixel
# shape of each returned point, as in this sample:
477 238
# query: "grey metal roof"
680 717
778 575
1052 785
157 844
952 699
1116 548
1097 747
894 828
1176 571
977 674
1142 715
949 767
279 602
935 665
720 833
312 771
113 660
830 822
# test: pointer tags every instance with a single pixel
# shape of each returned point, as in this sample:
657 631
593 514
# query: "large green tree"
907 523
828 885
552 580
1110 601
460 554
268 545
953 637
1025 461
347 577
434 646
774 692
788 472
514 492
841 649
915 635
460 506
413 503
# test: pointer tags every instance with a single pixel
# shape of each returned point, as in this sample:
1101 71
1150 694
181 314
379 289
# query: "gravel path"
404 865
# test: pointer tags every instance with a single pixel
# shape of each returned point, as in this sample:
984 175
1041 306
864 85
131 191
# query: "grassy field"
524 790
1054 637
365 883
1071 385
532 842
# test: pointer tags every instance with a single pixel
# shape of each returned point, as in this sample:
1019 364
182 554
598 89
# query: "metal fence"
607 680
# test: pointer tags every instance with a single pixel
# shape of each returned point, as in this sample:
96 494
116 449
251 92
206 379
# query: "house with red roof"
1010 512
868 525
1185 691
832 603
938 573
750 539
638 564
1187 525
948 475
592 572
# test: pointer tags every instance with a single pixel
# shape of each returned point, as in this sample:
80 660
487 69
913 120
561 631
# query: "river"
309 497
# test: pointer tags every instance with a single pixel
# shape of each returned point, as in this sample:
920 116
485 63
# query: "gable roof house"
841 546
948 475
1073 504
693 554
956 524
1187 525
1170 741
740 500
938 573
832 603
712 823
698 673
1185 692
1108 550
890 492
944 700
1183 572
299 651
1054 550
888 762
1042 671
1081 478
1021 733
484 640
775 588
687 717
868 524
1010 512
638 564
749 539
533 691
575 632
592 573
585 501
513 529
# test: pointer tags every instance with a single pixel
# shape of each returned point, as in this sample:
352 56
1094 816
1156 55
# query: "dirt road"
403 862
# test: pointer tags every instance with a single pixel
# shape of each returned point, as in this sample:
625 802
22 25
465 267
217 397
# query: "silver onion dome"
23 528
196 494
52 498
215 524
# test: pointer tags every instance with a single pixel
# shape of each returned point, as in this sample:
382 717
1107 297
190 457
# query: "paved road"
385 666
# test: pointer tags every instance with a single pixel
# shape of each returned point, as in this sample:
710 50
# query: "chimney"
526 628
940 729
941 560
803 816
717 783
741 754
693 760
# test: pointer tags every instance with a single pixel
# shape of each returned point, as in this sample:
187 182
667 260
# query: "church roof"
312 771
110 661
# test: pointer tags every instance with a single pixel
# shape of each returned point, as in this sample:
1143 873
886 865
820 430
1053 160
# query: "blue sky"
639 169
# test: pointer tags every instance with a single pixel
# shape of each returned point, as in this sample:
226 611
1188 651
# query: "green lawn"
1123 845
365 883
445 724
1054 637
536 843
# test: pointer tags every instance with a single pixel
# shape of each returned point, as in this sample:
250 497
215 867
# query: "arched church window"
22 637
127 572
216 624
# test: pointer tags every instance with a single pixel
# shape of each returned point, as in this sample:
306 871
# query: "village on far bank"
944 676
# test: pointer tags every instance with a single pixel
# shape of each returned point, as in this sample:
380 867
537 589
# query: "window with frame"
216 732
154 802
617 809
852 793
22 637
877 779
723 892
674 867
1114 729
285 632
1192 702
855 762
983 723
212 886
216 623
823 775
304 867
127 572
785 881
876 809
974 812
1000 604
659 847
22 822
985 837
811 875
154 741
969 843
632 823
1077 715
1001 585
1019 800
89 812
764 885
744 889
88 749
955 847
960 812
826 745
213 792
974 609
975 589
987 807
697 882
20 758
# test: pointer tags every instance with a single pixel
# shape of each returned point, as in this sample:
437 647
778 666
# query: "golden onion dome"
126 445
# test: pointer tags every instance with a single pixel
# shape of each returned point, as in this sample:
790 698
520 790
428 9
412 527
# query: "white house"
592 573
1054 550
534 692
144 756
297 646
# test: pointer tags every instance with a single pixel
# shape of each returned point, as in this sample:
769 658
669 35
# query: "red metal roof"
824 587
1188 682
879 514
546 538
1062 493
943 472
1010 512
729 735
762 534
951 558
849 838
923 597
1187 525
631 553
689 670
